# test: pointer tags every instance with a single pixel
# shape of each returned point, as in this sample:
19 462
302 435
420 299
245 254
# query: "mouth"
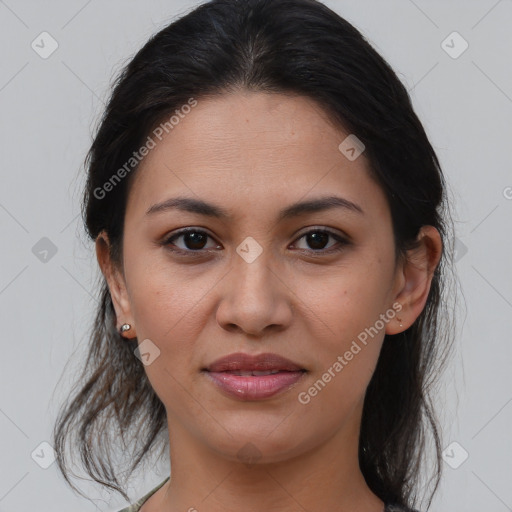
247 377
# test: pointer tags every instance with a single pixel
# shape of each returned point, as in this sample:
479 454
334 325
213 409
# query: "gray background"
49 108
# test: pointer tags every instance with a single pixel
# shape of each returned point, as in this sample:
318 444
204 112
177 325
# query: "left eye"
317 239
194 240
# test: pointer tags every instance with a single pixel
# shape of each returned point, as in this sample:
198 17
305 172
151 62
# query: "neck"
324 477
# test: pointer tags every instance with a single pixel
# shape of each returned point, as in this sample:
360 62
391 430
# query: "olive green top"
135 507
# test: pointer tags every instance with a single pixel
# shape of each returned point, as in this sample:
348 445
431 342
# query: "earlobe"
115 282
416 278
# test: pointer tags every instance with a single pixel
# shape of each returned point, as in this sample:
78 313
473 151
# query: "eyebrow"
201 207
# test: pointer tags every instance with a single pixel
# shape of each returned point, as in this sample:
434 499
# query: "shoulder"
135 507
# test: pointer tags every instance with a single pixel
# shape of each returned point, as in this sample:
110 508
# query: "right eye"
194 241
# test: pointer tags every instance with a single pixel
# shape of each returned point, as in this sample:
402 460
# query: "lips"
260 363
247 377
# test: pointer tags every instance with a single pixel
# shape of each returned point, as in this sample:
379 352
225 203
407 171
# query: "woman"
271 225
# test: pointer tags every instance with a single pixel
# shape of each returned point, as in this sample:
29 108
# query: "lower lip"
256 387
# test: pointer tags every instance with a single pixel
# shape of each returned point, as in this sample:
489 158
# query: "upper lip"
247 362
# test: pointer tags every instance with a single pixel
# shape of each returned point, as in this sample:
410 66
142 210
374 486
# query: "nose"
255 299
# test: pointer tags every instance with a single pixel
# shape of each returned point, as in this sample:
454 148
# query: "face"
305 286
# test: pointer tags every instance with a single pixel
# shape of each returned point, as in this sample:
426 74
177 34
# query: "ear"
415 277
116 282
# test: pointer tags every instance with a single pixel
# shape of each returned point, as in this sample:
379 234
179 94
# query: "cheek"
344 360
349 301
168 308
160 292
348 307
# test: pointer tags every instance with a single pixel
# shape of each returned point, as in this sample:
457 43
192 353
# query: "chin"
254 444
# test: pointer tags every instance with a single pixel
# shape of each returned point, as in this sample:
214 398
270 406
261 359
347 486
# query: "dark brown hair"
297 47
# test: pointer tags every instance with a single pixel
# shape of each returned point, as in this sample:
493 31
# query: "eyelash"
191 253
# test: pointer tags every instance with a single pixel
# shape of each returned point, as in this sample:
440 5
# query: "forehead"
256 149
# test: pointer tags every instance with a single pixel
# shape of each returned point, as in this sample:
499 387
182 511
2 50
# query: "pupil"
194 238
317 238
